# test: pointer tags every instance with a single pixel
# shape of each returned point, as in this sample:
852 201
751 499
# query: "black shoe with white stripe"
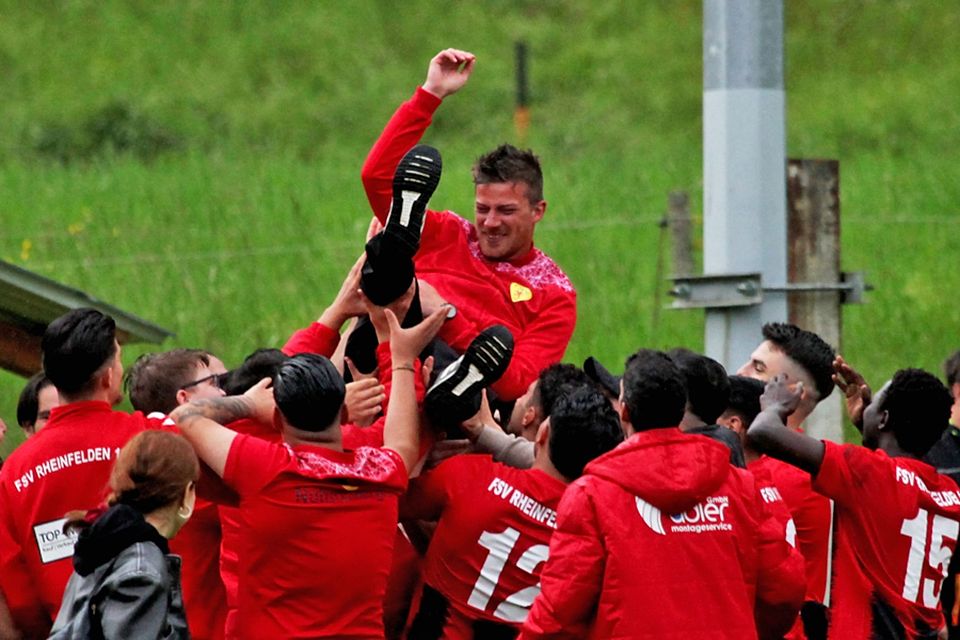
455 394
415 180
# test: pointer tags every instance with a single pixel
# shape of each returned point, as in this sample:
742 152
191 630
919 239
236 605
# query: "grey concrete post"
744 165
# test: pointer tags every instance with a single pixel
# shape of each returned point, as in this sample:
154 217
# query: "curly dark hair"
550 385
654 390
807 349
745 398
708 387
918 409
583 426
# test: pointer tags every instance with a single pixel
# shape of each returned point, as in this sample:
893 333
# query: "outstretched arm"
322 336
447 73
201 422
769 433
401 429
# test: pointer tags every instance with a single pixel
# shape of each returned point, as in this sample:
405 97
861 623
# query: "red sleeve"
781 580
812 517
402 132
429 493
253 462
317 338
843 472
573 574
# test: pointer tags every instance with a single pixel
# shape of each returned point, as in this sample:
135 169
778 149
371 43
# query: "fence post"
678 217
813 221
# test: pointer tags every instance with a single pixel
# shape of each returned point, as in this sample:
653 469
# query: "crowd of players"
438 473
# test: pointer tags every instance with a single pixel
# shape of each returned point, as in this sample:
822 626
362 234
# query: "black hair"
654 390
309 392
583 425
745 398
153 380
75 346
507 163
550 385
262 363
808 350
708 386
28 406
952 369
918 409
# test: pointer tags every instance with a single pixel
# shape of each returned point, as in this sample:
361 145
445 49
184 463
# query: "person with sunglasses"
158 383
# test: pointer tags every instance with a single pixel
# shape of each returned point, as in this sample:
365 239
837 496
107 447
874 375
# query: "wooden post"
679 220
19 350
813 223
521 114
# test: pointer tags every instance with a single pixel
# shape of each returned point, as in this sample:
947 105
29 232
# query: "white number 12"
939 555
515 607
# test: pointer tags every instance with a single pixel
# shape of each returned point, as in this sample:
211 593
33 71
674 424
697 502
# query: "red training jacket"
662 538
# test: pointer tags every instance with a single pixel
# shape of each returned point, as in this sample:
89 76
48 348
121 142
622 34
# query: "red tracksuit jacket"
662 538
531 296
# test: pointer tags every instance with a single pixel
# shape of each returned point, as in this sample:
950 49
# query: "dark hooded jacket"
663 538
125 582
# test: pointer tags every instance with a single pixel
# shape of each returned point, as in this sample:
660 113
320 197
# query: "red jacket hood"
671 470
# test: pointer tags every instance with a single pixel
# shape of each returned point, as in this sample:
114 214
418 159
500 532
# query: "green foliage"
197 163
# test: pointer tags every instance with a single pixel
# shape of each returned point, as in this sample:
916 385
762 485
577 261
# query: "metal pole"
744 165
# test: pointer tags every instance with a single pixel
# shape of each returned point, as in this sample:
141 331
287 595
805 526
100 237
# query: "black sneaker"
415 180
455 394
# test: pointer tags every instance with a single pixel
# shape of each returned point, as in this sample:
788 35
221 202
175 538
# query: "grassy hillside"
197 163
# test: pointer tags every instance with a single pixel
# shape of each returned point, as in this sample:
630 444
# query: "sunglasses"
213 379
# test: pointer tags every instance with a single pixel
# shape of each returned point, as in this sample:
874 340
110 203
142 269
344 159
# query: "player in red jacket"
662 537
483 564
896 517
64 466
489 270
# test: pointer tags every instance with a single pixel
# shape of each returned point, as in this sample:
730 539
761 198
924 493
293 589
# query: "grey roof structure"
28 302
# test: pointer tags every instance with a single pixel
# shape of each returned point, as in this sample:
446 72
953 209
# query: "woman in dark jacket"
126 584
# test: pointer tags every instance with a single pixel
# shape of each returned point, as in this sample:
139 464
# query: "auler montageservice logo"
709 515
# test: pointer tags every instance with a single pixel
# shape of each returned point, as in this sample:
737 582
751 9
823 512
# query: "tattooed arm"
201 422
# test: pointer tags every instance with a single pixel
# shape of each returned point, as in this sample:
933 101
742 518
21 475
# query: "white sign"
52 542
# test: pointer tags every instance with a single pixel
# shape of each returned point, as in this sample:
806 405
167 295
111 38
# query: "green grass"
241 231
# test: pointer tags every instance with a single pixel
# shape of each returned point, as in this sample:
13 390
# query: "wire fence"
346 244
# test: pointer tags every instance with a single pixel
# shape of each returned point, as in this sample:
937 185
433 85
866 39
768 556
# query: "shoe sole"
486 359
414 181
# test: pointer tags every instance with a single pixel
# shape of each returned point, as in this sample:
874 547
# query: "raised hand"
449 70
406 344
348 303
474 425
364 398
261 401
855 390
781 396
